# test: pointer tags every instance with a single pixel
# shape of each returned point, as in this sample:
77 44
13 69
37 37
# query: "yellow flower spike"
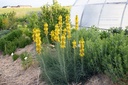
64 31
57 32
37 39
81 42
74 44
63 41
52 35
67 19
60 18
56 26
46 29
76 22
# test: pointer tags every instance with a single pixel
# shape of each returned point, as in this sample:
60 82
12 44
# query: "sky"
34 3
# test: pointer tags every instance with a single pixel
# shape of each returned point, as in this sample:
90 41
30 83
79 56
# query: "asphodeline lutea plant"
46 29
81 43
76 22
37 39
56 33
62 43
74 44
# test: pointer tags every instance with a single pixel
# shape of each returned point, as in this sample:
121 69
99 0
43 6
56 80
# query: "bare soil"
12 72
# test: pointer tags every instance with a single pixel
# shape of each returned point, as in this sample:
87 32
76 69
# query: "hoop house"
101 13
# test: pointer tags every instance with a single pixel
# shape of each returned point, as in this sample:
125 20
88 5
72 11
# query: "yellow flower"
60 18
56 33
76 22
67 19
62 41
64 31
74 44
37 39
52 35
46 29
68 30
81 42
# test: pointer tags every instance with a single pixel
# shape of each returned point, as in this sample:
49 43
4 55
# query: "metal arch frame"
101 12
122 18
83 14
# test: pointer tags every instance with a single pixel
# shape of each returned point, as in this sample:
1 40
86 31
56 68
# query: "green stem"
64 65
82 65
74 64
59 57
46 71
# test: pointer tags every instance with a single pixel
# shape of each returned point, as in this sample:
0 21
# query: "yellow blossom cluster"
46 29
60 21
76 22
74 44
68 27
52 35
37 39
81 42
56 33
62 43
65 31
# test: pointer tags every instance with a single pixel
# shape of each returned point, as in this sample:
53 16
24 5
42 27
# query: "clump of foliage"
7 20
27 60
15 57
13 40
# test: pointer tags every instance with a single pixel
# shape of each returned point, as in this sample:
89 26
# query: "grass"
20 12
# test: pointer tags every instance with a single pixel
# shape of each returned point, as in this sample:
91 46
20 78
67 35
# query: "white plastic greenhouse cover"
100 13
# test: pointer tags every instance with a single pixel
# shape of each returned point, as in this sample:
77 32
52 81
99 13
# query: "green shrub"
14 34
15 39
15 57
9 47
7 20
4 32
23 41
50 14
27 60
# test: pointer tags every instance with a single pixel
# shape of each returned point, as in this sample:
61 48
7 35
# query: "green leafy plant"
27 60
15 57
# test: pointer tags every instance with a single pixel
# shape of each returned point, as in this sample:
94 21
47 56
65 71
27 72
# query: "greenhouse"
100 13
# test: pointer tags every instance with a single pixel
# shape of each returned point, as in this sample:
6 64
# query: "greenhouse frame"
104 14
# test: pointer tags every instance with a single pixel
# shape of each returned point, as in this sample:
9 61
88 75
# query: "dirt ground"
12 72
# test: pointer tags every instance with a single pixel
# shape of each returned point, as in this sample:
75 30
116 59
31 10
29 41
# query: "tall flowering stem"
81 42
56 33
52 34
62 43
37 39
68 27
65 31
76 22
74 47
46 29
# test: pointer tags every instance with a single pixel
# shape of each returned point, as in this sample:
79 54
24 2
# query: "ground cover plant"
15 39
